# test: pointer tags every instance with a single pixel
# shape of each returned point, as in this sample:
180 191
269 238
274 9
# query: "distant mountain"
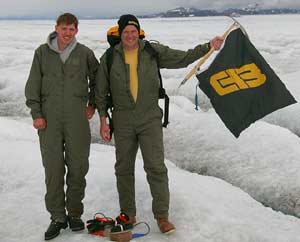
252 9
192 12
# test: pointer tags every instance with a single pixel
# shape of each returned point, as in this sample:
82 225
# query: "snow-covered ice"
264 161
204 208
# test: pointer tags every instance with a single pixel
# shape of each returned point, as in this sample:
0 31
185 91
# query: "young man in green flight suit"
134 85
60 92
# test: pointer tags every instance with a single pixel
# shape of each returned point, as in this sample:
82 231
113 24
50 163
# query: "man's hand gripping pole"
208 54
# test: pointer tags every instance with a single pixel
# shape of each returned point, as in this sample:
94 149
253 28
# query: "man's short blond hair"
67 18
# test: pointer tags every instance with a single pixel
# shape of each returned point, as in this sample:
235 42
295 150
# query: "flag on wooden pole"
241 85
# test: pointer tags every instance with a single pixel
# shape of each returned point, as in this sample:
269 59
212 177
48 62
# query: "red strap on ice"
98 233
123 218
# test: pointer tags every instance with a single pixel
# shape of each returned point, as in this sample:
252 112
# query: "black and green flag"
241 86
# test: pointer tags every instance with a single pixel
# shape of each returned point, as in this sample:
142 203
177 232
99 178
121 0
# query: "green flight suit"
139 123
59 92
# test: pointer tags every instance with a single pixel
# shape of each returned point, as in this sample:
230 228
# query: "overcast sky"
109 8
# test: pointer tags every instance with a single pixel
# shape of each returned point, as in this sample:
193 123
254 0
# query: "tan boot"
132 220
165 226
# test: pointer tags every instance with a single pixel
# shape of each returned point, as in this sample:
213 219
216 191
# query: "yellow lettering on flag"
232 80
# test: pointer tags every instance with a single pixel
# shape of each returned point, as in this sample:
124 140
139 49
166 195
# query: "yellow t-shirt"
131 58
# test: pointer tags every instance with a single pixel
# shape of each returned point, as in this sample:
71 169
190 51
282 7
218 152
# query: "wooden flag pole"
205 57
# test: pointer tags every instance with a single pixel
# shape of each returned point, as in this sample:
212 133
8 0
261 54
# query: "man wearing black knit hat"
128 19
134 85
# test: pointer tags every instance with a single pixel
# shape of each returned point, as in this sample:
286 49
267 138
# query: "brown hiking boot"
132 220
165 226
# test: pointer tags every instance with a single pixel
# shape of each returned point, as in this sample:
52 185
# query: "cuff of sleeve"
92 104
207 46
102 113
36 115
